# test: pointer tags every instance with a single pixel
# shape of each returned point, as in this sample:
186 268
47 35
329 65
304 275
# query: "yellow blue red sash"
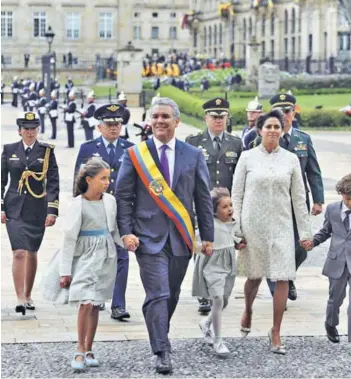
161 192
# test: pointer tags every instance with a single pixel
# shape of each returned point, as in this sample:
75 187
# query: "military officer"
300 143
221 150
110 147
69 111
30 204
53 113
89 121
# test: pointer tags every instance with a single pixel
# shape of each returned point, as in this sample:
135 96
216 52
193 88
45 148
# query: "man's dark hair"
276 113
343 186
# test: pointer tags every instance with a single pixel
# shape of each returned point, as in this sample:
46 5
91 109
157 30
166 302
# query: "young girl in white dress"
214 276
88 261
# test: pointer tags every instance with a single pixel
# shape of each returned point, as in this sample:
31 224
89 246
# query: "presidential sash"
160 191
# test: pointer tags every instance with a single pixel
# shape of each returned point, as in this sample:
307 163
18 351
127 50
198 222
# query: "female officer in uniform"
30 204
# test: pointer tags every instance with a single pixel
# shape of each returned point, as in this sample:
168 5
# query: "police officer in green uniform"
221 151
299 143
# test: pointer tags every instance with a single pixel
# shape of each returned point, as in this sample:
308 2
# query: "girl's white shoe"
91 361
206 330
220 348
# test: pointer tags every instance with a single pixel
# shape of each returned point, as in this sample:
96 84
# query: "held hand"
207 248
317 209
50 220
307 244
240 245
131 242
3 218
65 281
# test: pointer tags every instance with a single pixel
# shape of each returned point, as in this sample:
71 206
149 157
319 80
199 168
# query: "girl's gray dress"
94 263
215 275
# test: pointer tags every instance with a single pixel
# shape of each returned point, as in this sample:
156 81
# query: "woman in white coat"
266 180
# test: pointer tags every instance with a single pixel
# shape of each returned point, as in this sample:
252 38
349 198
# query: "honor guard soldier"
32 97
69 111
253 110
41 105
15 87
221 151
110 147
89 122
30 204
299 143
122 100
24 95
53 113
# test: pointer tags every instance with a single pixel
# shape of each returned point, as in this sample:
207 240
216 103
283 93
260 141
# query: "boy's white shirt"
72 227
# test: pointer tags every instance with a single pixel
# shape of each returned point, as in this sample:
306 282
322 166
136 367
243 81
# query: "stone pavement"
49 323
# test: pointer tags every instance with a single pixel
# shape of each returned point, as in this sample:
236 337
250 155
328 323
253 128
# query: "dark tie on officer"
217 144
346 221
286 139
111 154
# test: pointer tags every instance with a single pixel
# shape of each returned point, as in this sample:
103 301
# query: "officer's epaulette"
89 141
302 132
46 144
195 135
231 136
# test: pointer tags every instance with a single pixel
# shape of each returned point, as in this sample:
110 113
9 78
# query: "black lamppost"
49 35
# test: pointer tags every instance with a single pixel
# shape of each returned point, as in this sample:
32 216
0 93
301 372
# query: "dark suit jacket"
14 162
138 213
96 148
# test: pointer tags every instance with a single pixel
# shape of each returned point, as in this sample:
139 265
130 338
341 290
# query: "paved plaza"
303 324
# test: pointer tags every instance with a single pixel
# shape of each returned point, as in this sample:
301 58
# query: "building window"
250 27
195 38
310 44
136 32
263 26
73 25
39 24
6 24
299 48
154 14
286 46
154 32
210 35
220 33
215 35
286 22
245 31
272 24
344 41
233 31
105 25
293 47
205 36
263 51
293 20
272 48
300 22
173 15
136 14
325 45
173 32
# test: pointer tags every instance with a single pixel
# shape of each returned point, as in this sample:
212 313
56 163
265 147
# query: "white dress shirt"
26 146
170 153
344 208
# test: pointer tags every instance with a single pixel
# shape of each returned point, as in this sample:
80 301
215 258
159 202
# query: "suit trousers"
162 275
119 291
70 133
337 294
54 127
42 123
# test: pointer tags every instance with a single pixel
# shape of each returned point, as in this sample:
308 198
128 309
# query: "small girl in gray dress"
214 276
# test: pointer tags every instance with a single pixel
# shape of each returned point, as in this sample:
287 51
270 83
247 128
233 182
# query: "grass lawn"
306 102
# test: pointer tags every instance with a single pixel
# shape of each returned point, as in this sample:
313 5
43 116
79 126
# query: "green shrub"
192 106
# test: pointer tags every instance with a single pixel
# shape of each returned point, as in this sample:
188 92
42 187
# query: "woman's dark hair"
343 186
91 168
217 195
276 113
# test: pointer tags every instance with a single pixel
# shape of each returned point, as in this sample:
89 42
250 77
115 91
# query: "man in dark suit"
159 181
31 202
221 151
300 143
110 147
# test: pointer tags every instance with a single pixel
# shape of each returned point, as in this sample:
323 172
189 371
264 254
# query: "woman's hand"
131 242
65 281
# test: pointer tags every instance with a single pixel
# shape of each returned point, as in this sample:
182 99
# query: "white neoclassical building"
87 28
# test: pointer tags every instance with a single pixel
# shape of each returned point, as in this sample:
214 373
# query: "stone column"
252 62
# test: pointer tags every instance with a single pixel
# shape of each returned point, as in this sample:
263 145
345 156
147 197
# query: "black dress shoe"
204 306
21 308
119 313
292 295
30 305
163 363
102 307
332 333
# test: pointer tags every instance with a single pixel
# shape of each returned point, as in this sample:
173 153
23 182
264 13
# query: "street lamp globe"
49 35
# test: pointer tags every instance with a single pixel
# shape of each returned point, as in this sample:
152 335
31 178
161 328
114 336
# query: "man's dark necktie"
111 155
346 221
217 144
164 164
286 140
28 150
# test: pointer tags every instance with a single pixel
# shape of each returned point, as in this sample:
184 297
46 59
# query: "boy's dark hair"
343 186
276 113
91 168
217 195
